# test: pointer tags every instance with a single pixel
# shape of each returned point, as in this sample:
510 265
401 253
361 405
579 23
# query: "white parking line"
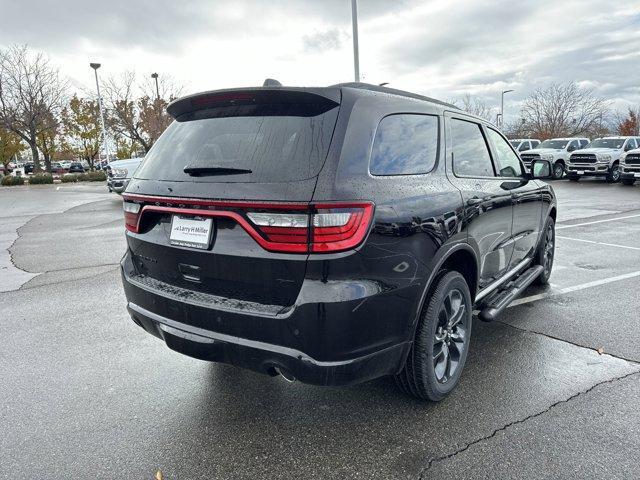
598 243
558 227
575 288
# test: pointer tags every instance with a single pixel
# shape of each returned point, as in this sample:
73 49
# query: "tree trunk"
47 163
35 155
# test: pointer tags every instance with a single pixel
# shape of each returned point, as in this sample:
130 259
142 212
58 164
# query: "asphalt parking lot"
87 394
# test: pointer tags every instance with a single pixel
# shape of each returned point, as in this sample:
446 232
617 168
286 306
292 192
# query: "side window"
508 162
405 144
631 144
583 143
573 145
524 146
470 153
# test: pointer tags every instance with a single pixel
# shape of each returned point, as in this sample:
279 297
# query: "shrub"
69 178
40 178
10 181
98 176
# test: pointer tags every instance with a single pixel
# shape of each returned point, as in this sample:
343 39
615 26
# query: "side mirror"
541 169
571 148
628 147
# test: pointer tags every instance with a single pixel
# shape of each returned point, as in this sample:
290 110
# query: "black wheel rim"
558 171
451 336
615 173
549 248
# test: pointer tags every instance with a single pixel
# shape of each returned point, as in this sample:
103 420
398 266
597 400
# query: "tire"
574 178
628 181
426 377
546 252
558 170
614 174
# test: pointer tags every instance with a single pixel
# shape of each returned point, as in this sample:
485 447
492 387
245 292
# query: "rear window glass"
405 144
276 143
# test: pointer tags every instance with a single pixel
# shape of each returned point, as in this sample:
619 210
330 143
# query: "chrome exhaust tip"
285 374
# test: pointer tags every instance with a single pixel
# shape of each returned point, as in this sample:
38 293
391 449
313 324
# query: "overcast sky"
438 48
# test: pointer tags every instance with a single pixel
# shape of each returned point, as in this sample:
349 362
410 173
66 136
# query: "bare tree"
564 110
475 106
134 110
32 94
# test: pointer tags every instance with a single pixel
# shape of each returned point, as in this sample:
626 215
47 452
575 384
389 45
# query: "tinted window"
508 162
405 144
470 154
535 143
277 142
524 146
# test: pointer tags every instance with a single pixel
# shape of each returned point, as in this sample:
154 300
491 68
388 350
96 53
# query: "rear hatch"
220 206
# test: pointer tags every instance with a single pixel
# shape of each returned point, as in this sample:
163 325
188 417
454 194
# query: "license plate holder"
191 231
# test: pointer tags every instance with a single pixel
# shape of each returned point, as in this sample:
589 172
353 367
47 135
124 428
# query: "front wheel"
439 352
558 170
614 174
546 252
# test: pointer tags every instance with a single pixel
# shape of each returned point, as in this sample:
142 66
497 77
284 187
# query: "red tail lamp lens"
340 227
131 215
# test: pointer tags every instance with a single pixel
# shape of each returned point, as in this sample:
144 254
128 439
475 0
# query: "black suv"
332 235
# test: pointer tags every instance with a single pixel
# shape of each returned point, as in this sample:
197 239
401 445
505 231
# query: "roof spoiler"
328 97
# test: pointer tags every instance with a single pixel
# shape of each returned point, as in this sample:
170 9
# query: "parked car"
76 167
630 165
332 235
57 168
555 150
28 168
119 173
66 164
523 144
600 158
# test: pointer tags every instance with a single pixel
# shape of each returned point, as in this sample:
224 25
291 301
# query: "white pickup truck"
630 165
556 151
522 144
119 172
601 158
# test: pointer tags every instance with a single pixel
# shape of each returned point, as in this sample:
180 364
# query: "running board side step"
495 304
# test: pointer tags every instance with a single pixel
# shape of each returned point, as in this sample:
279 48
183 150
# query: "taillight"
325 228
339 227
131 215
278 227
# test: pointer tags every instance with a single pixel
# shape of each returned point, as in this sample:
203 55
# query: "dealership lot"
87 394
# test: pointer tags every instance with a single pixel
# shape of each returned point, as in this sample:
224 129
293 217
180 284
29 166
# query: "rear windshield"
275 142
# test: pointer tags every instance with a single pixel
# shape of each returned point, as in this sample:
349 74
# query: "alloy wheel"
451 336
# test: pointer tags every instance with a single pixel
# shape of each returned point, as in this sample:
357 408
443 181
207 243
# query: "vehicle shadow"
246 424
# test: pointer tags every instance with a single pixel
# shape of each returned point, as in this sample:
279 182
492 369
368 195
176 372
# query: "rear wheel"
558 170
614 174
439 352
628 181
546 251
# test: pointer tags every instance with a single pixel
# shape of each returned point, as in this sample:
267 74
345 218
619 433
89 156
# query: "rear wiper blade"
213 170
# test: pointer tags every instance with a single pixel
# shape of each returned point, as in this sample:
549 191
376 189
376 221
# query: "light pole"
356 54
105 144
502 107
155 77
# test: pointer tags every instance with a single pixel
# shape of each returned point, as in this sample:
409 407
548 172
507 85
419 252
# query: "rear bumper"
337 343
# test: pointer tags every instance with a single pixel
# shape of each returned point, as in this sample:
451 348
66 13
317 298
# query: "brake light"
278 227
131 215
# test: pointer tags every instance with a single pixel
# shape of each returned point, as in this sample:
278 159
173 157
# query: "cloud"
441 49
331 39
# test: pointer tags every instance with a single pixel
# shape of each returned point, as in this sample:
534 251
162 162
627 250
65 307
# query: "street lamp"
354 23
502 107
155 77
105 144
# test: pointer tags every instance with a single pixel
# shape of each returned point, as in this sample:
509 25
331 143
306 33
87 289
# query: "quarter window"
508 162
405 144
470 154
